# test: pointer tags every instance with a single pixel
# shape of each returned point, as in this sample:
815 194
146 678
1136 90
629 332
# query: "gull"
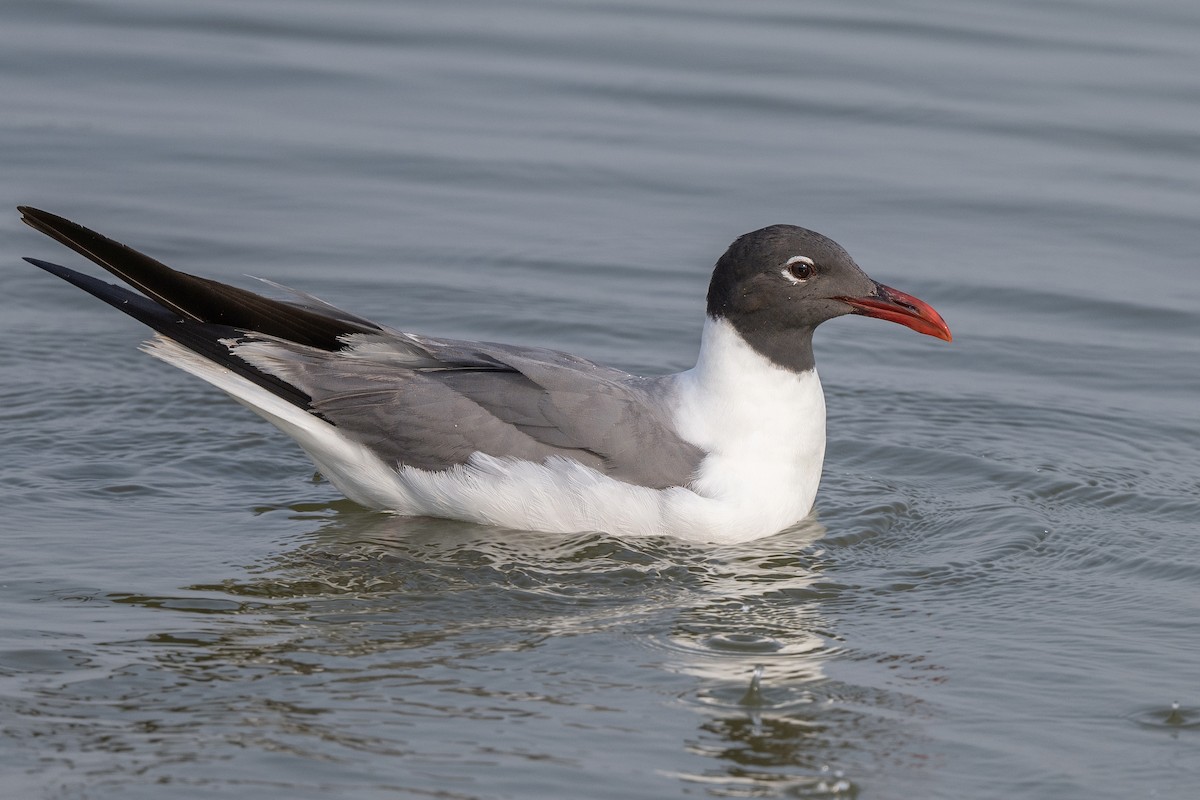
523 437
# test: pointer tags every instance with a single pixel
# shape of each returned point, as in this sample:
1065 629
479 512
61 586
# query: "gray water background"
999 593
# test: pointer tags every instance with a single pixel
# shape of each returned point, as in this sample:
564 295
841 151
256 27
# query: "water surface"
996 595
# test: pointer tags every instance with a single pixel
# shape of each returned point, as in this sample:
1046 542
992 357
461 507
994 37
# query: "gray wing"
429 403
432 403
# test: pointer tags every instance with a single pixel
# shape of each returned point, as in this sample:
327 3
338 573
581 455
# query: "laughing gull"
522 437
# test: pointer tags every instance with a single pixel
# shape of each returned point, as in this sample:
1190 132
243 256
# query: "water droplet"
753 695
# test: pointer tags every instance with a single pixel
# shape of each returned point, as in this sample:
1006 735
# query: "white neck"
763 427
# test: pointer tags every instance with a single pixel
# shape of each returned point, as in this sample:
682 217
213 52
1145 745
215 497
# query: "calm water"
998 595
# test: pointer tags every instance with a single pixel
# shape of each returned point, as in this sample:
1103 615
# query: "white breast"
764 430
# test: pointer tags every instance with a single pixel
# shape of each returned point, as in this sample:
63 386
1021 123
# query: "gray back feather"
431 403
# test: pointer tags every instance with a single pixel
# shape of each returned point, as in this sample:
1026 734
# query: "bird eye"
798 269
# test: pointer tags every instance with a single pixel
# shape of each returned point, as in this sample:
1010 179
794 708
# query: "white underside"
763 427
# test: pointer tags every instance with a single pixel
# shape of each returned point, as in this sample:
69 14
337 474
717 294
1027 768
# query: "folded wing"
413 400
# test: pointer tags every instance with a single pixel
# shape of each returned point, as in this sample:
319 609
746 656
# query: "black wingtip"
52 268
63 230
136 306
206 339
194 298
198 313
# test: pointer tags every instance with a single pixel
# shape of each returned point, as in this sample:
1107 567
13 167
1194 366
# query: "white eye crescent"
798 269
